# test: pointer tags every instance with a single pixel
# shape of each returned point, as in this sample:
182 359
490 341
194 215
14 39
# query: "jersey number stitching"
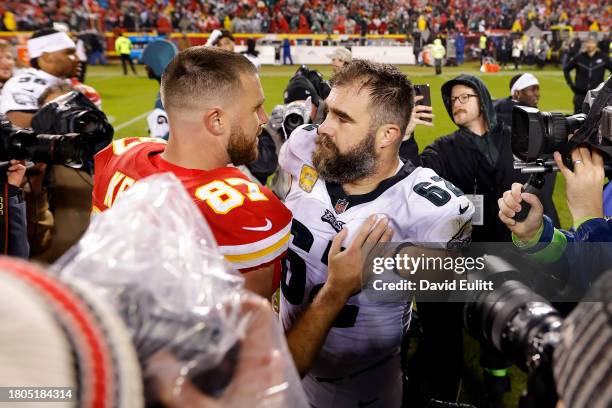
293 289
222 198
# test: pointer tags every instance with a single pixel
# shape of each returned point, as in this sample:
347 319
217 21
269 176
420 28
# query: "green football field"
128 99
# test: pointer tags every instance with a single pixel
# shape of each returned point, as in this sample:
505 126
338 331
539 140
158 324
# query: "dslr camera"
68 130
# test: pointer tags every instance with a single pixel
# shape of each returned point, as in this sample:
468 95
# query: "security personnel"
438 52
590 67
123 48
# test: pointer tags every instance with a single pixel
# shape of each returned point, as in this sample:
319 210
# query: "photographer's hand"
584 185
510 204
15 173
419 113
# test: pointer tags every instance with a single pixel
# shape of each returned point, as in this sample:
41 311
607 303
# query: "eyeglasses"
463 98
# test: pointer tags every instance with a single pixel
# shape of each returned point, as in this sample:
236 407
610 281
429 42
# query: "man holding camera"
581 163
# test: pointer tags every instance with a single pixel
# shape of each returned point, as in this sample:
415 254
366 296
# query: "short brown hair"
391 92
198 73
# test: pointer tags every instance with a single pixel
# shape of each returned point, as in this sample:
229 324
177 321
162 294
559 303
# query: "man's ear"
388 135
215 121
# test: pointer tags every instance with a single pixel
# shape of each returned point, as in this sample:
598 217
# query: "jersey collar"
338 195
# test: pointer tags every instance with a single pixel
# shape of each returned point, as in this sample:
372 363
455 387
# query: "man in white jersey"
344 171
53 60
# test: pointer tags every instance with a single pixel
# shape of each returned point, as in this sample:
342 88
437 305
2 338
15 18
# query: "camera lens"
292 122
516 320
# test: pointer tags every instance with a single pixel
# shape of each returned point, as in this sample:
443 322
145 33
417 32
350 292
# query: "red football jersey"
252 227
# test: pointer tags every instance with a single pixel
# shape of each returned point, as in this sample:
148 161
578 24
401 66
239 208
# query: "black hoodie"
481 164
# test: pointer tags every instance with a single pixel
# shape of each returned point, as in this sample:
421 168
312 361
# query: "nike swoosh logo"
462 210
28 90
266 227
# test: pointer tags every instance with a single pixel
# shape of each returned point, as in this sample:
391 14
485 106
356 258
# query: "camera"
75 113
536 135
67 131
296 114
25 144
520 324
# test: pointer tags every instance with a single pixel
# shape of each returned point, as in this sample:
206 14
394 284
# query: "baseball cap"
300 89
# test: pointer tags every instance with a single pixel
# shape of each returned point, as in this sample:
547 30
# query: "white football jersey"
421 208
21 92
158 123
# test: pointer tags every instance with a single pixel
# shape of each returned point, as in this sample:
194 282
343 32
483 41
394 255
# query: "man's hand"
15 173
419 113
584 185
345 268
510 204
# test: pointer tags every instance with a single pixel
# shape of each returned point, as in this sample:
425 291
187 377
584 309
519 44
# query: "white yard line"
131 121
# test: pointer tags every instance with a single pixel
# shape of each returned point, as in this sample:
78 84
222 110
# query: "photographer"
587 140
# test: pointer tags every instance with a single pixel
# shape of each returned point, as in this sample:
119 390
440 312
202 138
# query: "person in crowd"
7 62
590 67
339 57
123 48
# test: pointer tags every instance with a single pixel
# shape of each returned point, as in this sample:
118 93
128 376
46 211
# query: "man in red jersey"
214 103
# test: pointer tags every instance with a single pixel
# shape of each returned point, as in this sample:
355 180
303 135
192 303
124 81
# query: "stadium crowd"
308 16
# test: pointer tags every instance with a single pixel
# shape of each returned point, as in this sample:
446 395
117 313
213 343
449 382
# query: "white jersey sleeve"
297 150
441 214
21 92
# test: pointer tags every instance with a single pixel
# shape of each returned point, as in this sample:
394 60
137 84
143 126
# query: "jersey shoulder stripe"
258 253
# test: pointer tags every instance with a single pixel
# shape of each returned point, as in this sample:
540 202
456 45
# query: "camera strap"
4 218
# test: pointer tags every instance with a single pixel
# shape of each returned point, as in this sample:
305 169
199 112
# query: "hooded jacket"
480 164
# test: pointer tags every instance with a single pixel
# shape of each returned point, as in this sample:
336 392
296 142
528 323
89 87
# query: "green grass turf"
125 99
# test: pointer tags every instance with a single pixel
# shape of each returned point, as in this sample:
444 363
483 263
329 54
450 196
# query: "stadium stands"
308 16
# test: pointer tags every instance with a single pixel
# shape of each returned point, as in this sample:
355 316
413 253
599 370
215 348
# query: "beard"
241 149
343 168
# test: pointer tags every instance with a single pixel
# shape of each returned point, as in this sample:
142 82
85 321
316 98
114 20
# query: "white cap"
49 43
524 81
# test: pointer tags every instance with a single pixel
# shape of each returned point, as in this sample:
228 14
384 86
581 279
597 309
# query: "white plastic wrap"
201 338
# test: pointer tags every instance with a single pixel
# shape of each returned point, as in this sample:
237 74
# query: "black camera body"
67 131
536 135
520 324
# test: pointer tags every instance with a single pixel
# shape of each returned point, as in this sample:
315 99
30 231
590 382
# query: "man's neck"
386 169
478 127
192 156
590 54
